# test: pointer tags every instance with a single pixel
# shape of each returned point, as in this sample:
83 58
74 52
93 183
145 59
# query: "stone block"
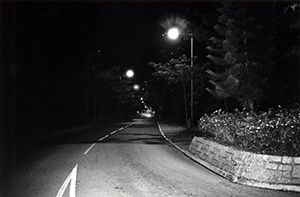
240 170
225 167
233 167
261 175
204 157
296 171
199 154
214 157
296 160
197 139
258 161
216 150
266 158
275 159
284 167
295 181
193 148
206 146
287 160
227 155
273 176
211 153
209 157
216 162
238 157
248 157
271 166
285 180
256 165
286 174
199 146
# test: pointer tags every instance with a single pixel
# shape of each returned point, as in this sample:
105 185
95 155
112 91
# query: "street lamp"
136 87
173 34
129 73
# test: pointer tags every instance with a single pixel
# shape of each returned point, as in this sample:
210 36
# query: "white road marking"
86 152
73 182
103 138
71 178
113 132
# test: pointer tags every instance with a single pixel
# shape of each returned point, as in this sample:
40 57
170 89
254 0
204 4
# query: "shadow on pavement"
136 138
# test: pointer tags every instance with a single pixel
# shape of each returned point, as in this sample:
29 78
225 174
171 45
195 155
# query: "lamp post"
173 34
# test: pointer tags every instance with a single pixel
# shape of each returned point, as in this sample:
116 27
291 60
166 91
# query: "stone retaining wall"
274 172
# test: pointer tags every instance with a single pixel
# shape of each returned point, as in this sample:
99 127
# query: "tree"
240 55
175 71
285 80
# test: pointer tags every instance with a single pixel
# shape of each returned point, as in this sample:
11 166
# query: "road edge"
211 167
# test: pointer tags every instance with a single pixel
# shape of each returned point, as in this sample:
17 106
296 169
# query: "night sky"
59 34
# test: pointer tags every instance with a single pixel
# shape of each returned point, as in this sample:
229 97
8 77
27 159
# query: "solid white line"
103 138
86 152
73 182
64 186
71 177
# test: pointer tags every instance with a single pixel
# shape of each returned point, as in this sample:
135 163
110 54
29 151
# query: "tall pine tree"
240 54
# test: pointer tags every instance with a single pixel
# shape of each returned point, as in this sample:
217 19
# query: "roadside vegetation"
276 132
241 63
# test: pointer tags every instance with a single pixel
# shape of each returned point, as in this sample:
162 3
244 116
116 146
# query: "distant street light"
136 87
129 73
173 34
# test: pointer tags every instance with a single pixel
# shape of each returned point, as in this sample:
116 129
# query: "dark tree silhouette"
241 54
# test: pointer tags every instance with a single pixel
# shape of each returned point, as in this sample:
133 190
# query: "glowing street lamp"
129 73
173 34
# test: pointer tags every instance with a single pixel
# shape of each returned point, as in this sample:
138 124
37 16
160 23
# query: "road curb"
213 168
180 149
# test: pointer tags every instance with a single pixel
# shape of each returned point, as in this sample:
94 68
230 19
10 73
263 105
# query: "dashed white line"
113 132
103 138
86 152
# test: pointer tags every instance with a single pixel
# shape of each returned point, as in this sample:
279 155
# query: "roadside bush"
276 132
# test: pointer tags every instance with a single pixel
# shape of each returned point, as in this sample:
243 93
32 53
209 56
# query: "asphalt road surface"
130 159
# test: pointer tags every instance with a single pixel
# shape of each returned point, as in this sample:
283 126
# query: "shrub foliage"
276 132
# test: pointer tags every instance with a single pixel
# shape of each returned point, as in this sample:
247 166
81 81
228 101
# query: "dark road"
129 159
